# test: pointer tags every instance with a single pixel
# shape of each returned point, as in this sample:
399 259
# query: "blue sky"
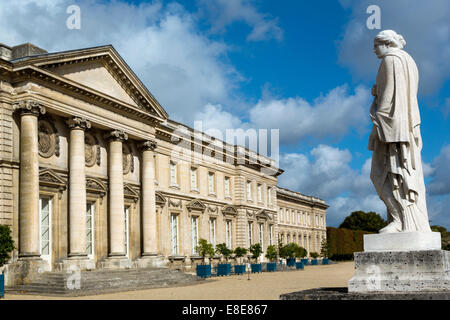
304 67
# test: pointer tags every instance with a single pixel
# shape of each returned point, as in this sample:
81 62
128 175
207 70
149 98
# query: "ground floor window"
212 232
250 233
271 234
194 223
228 233
261 235
126 231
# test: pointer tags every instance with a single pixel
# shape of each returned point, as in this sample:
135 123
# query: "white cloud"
332 115
223 13
161 43
424 25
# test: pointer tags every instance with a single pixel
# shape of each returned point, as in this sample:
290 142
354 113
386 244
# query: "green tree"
445 236
222 249
314 255
300 252
204 249
271 253
6 244
325 248
240 252
367 221
290 250
255 250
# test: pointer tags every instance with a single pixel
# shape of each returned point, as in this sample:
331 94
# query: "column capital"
78 123
29 107
116 135
148 145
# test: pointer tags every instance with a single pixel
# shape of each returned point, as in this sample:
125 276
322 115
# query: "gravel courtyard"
263 286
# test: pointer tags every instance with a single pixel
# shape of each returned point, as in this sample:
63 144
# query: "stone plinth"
401 271
402 241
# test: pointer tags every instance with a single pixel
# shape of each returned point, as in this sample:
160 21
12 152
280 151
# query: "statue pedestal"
401 262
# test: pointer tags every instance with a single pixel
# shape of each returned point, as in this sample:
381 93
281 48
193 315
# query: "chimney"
20 51
5 52
26 50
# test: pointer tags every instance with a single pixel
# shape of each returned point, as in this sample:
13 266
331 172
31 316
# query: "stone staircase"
66 283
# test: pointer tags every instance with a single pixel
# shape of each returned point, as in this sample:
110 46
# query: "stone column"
77 187
149 232
116 197
29 244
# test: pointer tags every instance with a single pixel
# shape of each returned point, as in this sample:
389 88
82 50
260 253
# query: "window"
45 206
259 189
173 174
126 232
281 214
194 179
228 233
261 235
211 183
227 187
271 234
287 216
304 218
249 190
269 195
174 233
298 217
212 232
250 233
288 238
194 231
90 229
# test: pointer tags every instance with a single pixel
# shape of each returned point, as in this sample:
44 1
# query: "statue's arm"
385 89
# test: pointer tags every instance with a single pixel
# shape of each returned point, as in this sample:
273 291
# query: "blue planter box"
290 262
325 261
224 269
314 262
305 261
239 269
256 267
204 270
271 266
2 285
299 265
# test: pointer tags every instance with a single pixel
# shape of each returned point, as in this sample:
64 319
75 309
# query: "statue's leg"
393 208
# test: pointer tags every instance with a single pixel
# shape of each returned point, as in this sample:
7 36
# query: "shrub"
342 243
240 252
222 249
204 249
314 255
255 250
6 244
301 252
271 253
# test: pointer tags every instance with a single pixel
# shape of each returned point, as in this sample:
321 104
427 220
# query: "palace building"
94 173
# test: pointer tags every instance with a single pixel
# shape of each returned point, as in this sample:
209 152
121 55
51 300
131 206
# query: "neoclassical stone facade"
94 174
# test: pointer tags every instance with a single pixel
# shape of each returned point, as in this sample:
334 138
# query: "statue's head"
386 41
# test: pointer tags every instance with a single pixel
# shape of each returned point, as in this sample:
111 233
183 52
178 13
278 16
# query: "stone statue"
395 138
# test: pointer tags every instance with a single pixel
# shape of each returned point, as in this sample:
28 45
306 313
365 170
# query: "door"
127 233
90 231
45 234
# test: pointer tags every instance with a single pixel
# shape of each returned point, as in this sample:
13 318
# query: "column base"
151 261
77 263
117 262
25 270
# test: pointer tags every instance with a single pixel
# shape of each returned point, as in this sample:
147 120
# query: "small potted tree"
204 249
314 256
224 269
300 253
240 267
281 251
6 247
291 249
324 251
256 250
271 255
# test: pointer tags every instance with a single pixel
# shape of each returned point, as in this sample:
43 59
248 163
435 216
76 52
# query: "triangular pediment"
196 205
229 210
95 75
52 179
103 71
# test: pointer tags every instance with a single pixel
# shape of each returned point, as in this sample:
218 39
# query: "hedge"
344 242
